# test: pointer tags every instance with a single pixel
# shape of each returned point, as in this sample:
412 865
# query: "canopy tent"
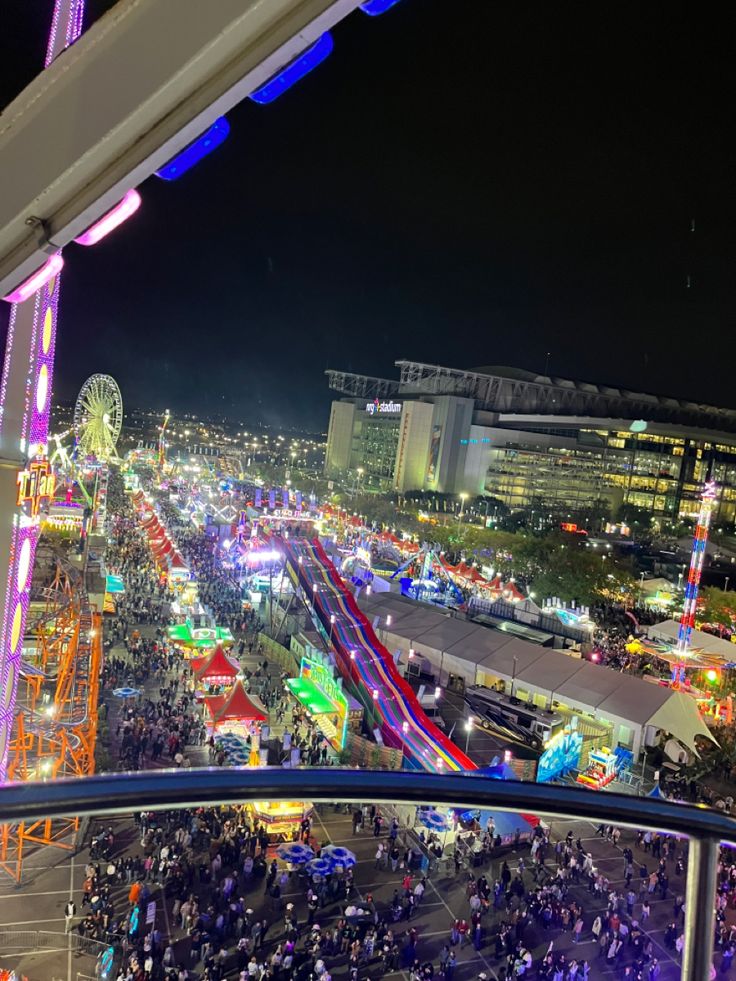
202 638
629 703
235 706
506 824
680 717
215 668
114 584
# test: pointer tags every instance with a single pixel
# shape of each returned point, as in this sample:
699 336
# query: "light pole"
332 624
513 675
463 499
641 587
404 731
385 629
468 730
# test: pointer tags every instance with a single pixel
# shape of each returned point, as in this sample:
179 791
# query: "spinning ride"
98 418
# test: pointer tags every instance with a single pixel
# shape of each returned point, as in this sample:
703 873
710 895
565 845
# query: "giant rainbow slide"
363 660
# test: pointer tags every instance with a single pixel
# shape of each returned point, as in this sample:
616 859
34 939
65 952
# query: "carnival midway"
182 616
163 613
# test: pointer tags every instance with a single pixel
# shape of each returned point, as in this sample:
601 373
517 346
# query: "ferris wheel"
98 417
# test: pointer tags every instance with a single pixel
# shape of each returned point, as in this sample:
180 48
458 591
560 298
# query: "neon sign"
376 408
36 484
320 672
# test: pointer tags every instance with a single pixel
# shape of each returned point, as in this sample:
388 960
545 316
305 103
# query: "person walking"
70 911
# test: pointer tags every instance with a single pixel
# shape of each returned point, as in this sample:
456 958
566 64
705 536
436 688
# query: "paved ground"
52 877
38 905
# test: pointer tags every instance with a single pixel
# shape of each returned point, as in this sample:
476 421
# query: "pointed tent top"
235 706
214 665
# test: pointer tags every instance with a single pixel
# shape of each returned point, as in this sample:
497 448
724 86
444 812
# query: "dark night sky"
462 182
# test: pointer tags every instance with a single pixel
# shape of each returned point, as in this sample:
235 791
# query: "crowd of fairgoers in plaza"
226 890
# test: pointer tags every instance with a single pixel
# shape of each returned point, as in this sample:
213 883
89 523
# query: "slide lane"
364 659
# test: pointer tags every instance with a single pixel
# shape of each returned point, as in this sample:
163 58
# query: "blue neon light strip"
375 7
294 71
196 151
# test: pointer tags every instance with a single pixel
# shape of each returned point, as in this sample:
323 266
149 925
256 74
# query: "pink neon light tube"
34 283
110 221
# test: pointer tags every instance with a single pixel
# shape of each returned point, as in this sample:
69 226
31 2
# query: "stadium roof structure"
513 390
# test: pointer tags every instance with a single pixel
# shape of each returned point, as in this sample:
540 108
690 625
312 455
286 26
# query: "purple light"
34 283
45 348
72 27
110 221
66 27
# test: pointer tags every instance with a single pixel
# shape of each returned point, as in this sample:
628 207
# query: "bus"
511 717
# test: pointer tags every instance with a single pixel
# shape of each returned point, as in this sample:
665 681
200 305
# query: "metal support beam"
557 396
361 386
700 902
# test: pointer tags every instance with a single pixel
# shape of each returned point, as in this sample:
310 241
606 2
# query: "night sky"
462 182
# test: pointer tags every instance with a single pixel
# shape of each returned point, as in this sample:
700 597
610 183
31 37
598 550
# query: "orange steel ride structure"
55 728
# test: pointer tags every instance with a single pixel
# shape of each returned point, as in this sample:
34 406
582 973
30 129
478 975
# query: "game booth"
321 693
191 639
281 819
214 671
234 712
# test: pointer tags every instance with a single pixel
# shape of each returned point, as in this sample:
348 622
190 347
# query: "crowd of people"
232 910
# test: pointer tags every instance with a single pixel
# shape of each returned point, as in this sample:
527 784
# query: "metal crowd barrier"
122 793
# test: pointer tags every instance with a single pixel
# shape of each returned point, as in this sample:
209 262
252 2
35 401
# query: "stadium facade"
530 441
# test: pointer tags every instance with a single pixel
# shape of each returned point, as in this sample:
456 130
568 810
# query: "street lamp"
332 624
468 730
463 499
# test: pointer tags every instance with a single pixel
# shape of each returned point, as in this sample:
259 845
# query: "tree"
636 517
718 606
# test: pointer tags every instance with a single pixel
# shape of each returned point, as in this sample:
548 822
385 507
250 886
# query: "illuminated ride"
65 463
368 666
692 587
98 418
369 669
162 441
82 187
55 727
